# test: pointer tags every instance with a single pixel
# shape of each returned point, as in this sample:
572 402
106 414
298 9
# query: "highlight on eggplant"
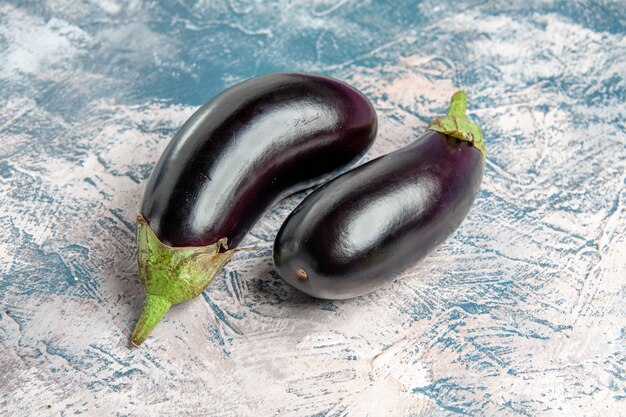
360 230
252 145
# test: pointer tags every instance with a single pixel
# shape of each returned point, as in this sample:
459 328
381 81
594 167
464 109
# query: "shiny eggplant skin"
363 228
252 145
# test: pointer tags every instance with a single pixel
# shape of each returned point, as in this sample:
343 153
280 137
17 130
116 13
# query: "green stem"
457 125
171 275
154 309
458 105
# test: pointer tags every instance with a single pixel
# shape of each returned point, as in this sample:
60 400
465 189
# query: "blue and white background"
520 313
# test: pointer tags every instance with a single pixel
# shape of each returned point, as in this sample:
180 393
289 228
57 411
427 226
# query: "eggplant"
360 230
252 145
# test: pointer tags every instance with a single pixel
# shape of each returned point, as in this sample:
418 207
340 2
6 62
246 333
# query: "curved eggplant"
361 229
238 154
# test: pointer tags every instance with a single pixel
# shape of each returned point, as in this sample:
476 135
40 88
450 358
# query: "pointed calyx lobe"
171 275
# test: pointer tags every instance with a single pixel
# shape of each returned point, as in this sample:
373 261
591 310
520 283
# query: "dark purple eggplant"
363 228
238 154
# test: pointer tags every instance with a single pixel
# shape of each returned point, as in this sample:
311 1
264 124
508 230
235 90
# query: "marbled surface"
520 313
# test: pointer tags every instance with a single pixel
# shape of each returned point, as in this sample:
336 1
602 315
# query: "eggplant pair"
268 137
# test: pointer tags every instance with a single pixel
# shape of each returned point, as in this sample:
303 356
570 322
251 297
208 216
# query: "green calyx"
457 125
171 275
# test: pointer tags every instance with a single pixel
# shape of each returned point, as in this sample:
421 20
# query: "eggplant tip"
302 274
